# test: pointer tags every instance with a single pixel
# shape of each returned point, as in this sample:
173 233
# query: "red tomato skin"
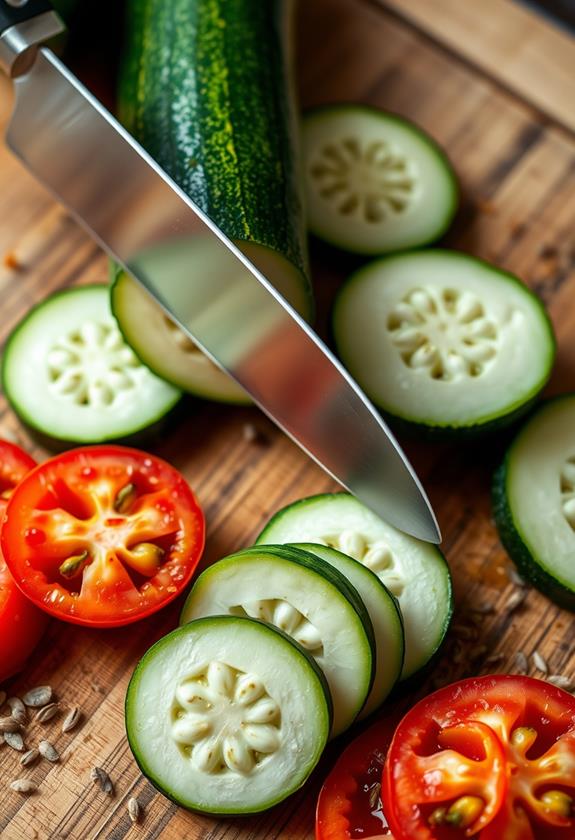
19 538
21 623
512 694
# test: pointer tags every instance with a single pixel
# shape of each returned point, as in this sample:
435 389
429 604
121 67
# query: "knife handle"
24 26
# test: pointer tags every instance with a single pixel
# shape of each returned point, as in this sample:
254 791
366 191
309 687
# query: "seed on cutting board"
48 751
18 709
72 719
47 713
520 662
23 786
134 809
515 600
539 662
39 696
561 681
29 757
9 724
14 740
515 577
105 782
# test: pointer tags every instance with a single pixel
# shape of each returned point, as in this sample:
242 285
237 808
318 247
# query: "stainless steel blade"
141 217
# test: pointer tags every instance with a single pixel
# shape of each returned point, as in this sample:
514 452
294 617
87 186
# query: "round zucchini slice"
374 181
534 500
444 341
227 715
69 375
165 348
385 615
310 601
414 571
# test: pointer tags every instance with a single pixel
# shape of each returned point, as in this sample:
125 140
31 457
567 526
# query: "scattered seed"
48 751
520 662
71 720
39 696
46 713
374 792
249 432
2 698
539 662
23 786
134 809
14 740
515 600
9 724
29 757
105 782
561 682
515 577
18 709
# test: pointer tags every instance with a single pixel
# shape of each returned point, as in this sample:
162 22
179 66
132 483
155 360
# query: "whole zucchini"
206 88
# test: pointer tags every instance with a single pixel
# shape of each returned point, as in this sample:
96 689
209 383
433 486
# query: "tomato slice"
349 803
103 535
491 758
21 623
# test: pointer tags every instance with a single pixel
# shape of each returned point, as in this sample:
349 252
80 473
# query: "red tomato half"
491 758
21 623
103 535
349 803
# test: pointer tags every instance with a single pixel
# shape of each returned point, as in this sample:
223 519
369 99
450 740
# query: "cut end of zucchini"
374 181
534 500
69 375
441 340
227 716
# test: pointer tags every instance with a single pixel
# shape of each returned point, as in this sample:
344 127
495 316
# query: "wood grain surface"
516 162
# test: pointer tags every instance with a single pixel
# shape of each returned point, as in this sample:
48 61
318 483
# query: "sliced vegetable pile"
102 535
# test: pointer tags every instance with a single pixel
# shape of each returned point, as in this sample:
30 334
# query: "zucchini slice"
414 571
306 598
374 181
385 615
227 715
443 341
534 500
69 375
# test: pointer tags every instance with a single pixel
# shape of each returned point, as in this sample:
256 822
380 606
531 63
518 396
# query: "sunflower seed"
71 720
539 662
46 713
561 682
23 786
134 809
9 724
39 696
2 698
18 709
515 577
48 751
515 600
520 662
105 782
14 740
29 757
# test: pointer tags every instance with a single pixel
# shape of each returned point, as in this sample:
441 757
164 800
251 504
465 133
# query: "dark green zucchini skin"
206 88
513 542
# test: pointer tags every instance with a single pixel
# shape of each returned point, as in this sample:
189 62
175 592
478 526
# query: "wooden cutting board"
495 86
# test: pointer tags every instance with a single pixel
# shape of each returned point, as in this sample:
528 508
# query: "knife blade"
201 279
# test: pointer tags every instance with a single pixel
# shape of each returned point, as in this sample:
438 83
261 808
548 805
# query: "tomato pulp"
103 535
491 758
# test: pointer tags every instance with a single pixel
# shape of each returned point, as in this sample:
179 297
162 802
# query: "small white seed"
72 719
14 740
352 543
134 809
39 696
264 711
237 755
191 695
23 786
207 755
539 662
29 757
558 680
18 709
286 617
520 663
248 689
220 678
191 728
46 713
569 511
48 751
308 636
262 738
378 557
515 600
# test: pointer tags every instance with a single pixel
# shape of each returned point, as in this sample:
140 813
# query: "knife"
232 311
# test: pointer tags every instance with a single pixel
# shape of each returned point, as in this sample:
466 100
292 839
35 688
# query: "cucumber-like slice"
534 500
414 571
306 598
374 181
443 340
69 375
165 348
385 615
227 715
